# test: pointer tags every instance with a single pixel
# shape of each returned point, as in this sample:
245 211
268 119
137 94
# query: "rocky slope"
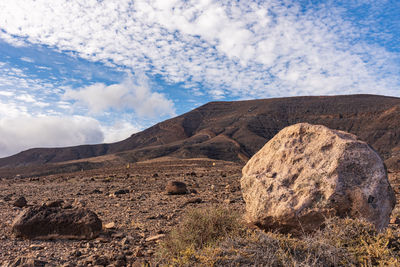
234 131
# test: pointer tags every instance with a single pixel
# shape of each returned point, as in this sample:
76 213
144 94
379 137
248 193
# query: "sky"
85 72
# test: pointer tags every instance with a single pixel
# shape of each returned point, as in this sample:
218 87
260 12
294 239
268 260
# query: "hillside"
234 131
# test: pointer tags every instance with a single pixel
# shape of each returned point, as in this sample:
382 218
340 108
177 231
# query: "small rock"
154 237
176 188
76 253
121 192
195 200
110 225
36 247
20 202
155 175
54 204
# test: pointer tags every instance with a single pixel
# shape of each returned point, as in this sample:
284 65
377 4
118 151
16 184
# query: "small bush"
342 242
199 229
214 237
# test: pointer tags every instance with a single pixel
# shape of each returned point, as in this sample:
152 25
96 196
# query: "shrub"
199 229
214 237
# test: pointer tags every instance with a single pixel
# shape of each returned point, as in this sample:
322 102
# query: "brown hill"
234 131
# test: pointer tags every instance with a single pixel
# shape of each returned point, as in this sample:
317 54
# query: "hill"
234 131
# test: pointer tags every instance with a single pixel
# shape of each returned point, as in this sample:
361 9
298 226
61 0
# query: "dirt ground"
146 211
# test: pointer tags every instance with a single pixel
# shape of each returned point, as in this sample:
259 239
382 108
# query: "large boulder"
307 173
42 222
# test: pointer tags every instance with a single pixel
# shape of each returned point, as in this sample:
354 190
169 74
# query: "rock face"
309 172
41 222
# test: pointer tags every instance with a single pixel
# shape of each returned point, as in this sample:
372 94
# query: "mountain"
234 131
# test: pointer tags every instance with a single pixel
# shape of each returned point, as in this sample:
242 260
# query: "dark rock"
20 202
41 222
176 188
96 191
121 192
55 204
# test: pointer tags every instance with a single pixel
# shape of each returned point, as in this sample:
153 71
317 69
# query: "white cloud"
27 59
23 132
133 93
119 131
241 48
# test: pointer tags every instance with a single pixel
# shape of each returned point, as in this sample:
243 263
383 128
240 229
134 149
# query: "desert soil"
145 212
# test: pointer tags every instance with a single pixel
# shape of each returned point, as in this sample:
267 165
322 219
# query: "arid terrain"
144 212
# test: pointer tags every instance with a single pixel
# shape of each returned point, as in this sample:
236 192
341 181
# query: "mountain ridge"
234 131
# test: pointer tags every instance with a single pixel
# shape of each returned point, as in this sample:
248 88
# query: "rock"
309 172
121 192
110 225
20 202
41 222
154 237
195 200
176 188
55 204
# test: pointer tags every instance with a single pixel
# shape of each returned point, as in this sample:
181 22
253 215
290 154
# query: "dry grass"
215 237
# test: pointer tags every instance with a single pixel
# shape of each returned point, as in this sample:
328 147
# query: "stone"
121 192
307 173
154 237
176 188
110 225
20 202
55 203
41 222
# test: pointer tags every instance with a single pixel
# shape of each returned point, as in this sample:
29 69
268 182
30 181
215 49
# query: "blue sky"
84 72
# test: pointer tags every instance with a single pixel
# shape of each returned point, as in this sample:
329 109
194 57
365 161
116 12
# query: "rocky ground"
132 203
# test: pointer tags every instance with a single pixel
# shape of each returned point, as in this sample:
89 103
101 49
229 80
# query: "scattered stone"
155 175
55 204
96 191
110 225
176 188
154 237
20 202
309 172
121 192
195 200
36 247
41 222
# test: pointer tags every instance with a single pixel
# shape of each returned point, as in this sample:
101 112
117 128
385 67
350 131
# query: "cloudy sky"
82 72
